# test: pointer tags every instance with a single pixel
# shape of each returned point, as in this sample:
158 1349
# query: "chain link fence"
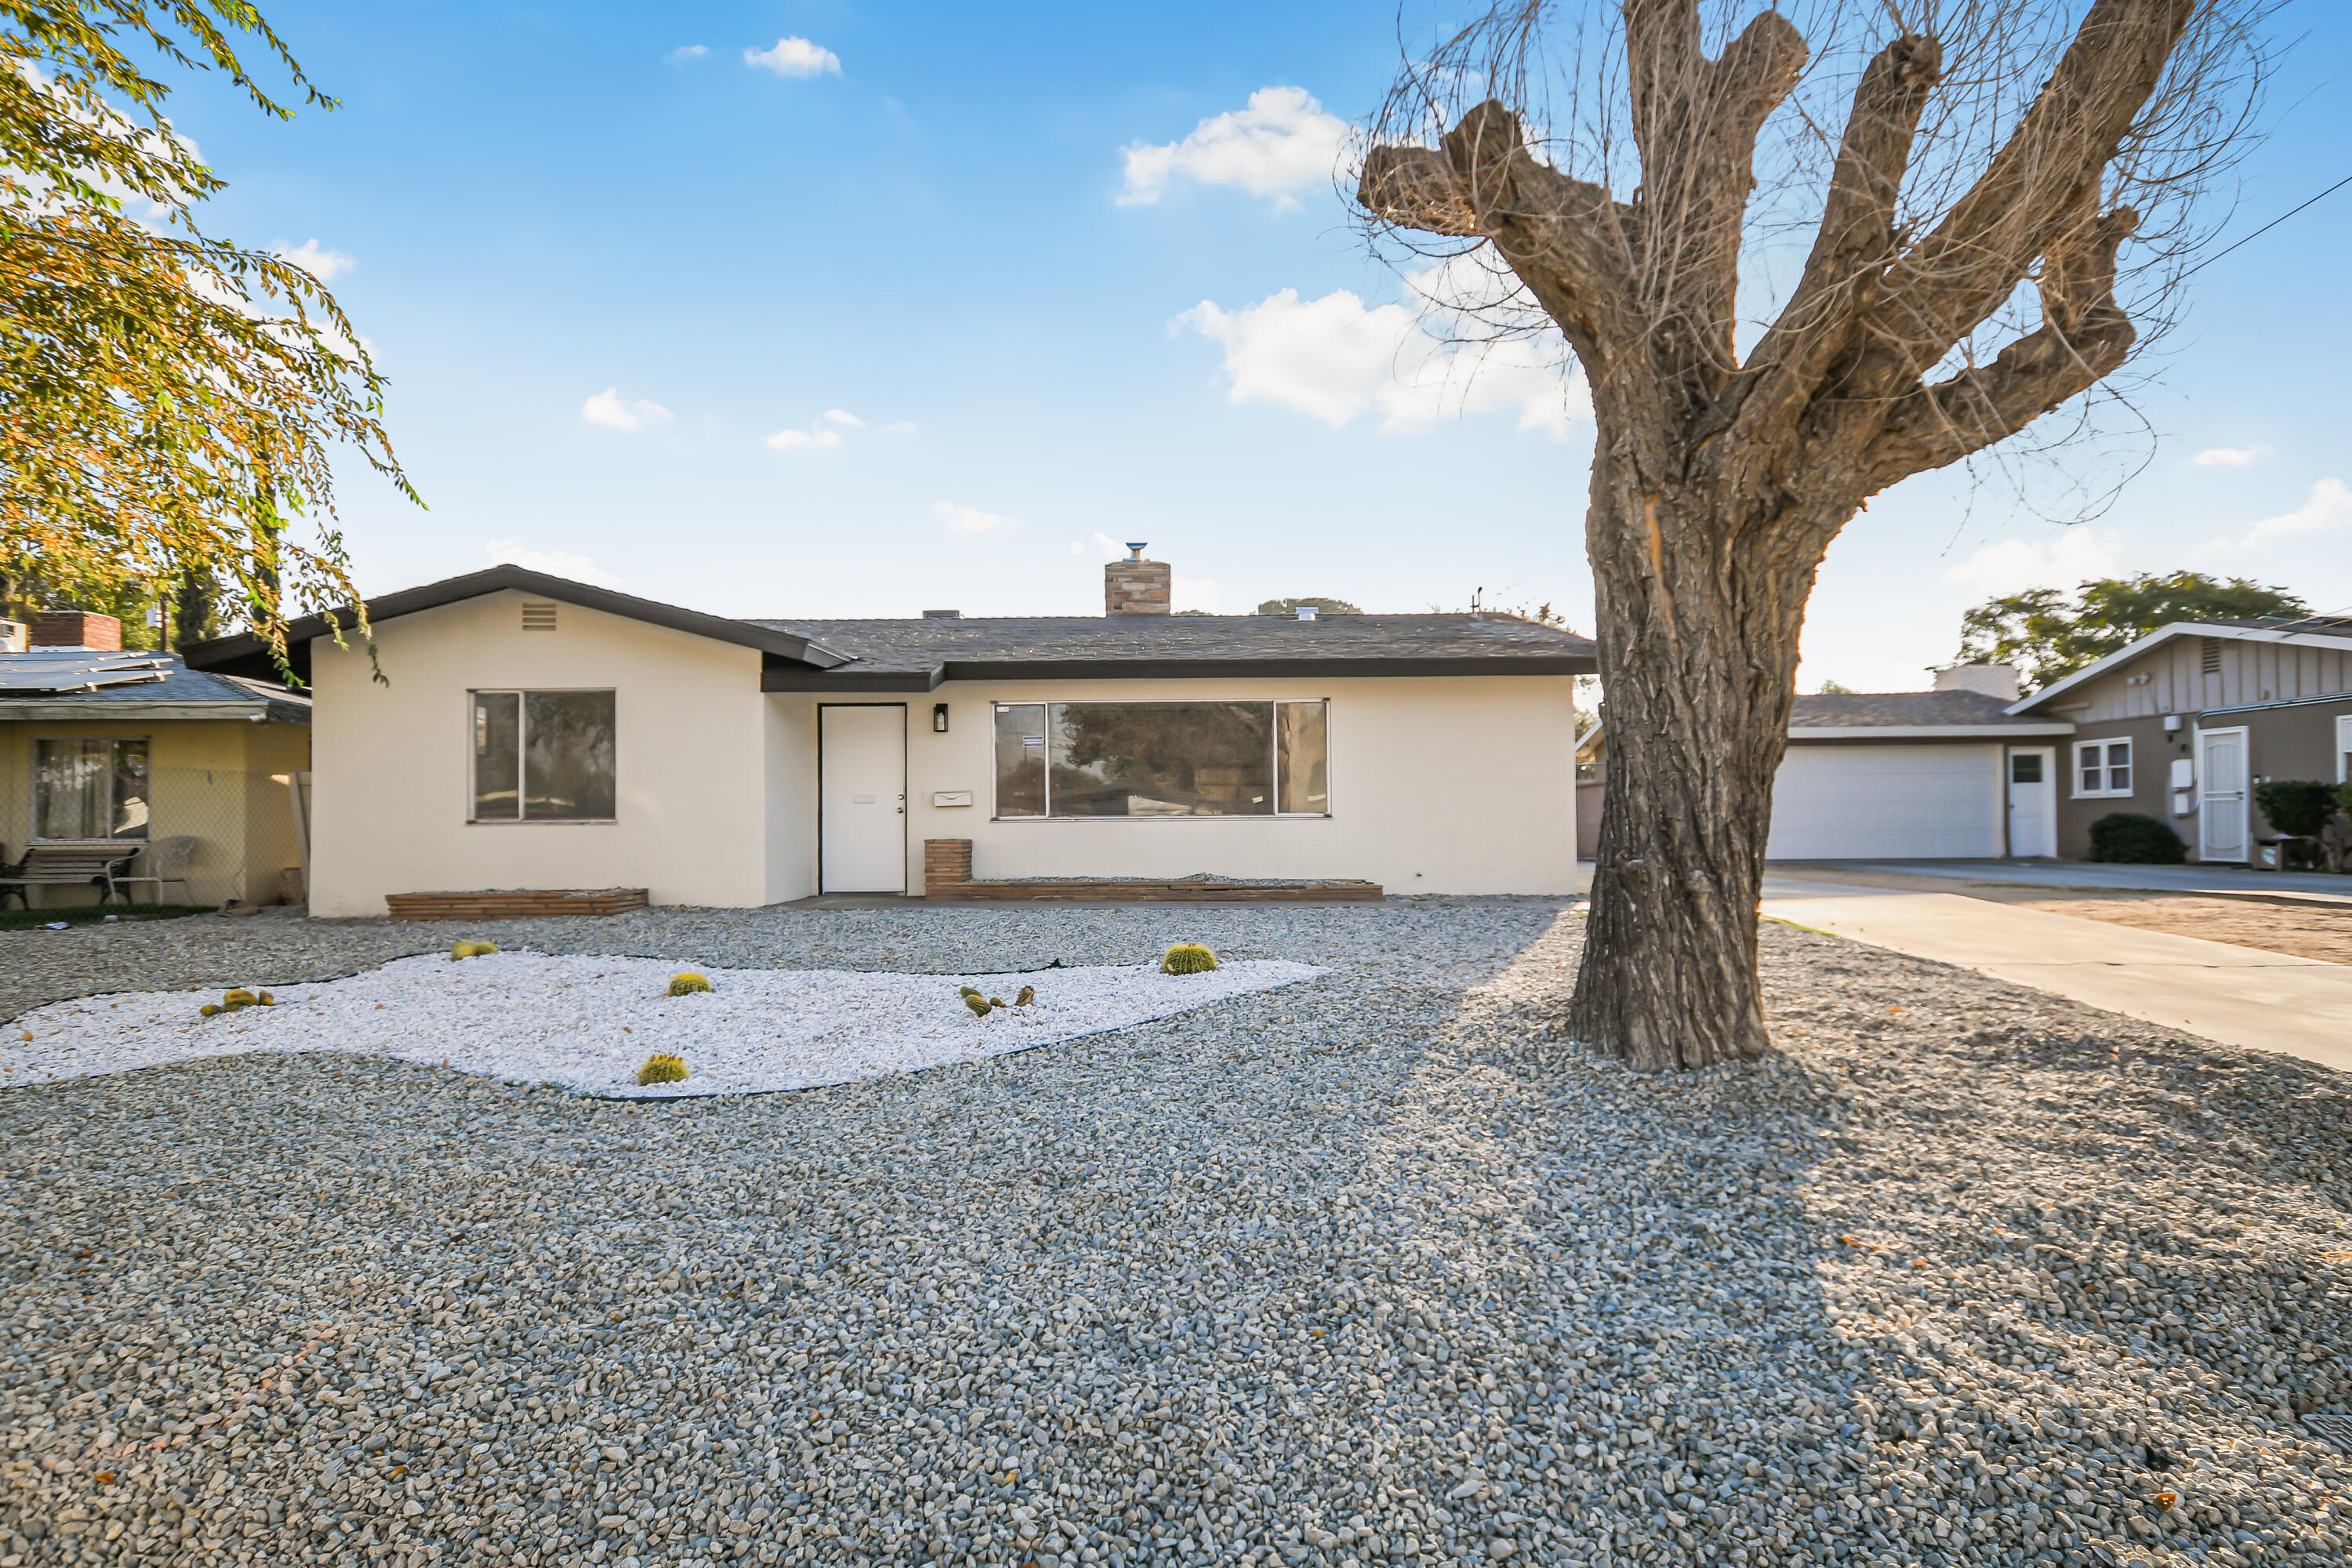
216 833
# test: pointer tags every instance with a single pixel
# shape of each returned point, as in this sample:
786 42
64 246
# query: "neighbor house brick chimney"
1136 586
77 628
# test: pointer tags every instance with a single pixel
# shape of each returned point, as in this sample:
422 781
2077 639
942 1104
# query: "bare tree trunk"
1698 633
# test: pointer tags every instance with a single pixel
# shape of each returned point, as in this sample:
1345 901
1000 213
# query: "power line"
2282 217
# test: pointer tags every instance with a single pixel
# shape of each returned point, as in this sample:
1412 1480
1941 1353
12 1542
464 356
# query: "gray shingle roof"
44 682
1002 647
1880 709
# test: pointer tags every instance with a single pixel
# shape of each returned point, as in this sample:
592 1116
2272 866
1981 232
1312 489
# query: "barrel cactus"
469 948
662 1068
1188 958
232 1000
687 984
977 1004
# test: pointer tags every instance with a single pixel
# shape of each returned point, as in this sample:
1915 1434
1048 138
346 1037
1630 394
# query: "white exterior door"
2221 795
862 799
2034 803
1887 803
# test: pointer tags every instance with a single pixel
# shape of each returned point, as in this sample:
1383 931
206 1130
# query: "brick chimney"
1136 586
77 628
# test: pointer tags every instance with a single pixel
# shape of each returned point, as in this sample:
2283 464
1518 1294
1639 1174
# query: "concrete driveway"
2081 876
2242 996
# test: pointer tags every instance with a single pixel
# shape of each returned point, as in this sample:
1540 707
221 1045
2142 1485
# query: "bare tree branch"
1955 278
2084 336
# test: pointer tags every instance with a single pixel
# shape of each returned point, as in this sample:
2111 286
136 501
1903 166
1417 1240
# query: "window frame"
521 694
112 743
1274 757
2106 766
2344 748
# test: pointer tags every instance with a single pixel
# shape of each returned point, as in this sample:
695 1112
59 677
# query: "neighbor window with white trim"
1164 759
90 789
2102 767
543 756
2344 749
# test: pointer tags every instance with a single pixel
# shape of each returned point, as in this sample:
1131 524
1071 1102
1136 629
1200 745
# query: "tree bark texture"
1718 484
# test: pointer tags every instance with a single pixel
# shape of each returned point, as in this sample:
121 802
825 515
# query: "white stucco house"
535 733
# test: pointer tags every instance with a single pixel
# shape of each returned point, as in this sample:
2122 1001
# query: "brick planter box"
514 903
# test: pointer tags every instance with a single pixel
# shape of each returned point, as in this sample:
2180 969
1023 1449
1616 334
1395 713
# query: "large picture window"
543 756
90 789
1164 759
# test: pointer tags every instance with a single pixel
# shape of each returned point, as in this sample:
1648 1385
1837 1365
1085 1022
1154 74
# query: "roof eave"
2166 633
1927 731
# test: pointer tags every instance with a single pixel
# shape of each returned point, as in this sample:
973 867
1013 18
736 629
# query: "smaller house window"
2103 768
2344 749
90 789
543 756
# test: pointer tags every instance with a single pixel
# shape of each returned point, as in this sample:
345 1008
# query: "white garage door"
1877 803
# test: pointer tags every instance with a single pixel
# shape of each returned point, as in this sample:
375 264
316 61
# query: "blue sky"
868 308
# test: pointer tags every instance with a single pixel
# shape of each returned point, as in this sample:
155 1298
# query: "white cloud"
971 520
900 427
1193 593
844 416
608 409
319 262
2226 456
803 440
1335 358
688 52
2328 509
1112 550
2013 565
795 58
1281 143
555 563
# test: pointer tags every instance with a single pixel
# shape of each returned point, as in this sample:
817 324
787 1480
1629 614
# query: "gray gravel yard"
1372 1268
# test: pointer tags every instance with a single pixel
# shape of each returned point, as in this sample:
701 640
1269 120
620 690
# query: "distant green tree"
1320 606
1835 688
2048 635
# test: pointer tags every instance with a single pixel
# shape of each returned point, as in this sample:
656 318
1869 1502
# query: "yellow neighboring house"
102 746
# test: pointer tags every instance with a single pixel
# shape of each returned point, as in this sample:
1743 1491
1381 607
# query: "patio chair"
167 861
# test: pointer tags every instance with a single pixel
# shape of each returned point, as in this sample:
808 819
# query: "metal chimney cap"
1306 611
1135 549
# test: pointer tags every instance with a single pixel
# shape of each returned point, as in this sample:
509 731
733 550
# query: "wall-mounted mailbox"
952 797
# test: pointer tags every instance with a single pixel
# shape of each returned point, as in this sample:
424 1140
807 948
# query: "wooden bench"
66 866
514 903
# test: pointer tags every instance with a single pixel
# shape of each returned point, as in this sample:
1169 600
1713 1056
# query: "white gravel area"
1376 1270
589 1024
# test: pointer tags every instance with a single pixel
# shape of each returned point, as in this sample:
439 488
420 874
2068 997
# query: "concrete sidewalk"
2241 996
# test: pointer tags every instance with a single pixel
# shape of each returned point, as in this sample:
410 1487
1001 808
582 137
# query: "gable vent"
2209 661
537 616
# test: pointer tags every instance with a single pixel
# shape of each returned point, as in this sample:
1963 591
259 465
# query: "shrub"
469 948
661 1067
2299 807
232 1000
687 984
1188 958
1028 995
2131 838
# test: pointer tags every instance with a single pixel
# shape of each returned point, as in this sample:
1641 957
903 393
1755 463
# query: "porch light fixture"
939 717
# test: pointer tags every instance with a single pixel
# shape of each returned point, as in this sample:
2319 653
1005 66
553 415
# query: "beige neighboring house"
539 734
99 746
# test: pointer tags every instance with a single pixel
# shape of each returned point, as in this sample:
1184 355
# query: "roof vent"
942 614
1306 611
2208 659
537 615
1135 549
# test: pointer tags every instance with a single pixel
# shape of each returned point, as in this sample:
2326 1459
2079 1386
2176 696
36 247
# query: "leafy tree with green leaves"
2049 635
169 402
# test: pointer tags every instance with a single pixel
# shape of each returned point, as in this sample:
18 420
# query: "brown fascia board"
784 678
246 654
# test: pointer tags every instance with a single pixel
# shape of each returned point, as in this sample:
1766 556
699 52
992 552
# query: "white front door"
862 798
2034 803
2221 795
